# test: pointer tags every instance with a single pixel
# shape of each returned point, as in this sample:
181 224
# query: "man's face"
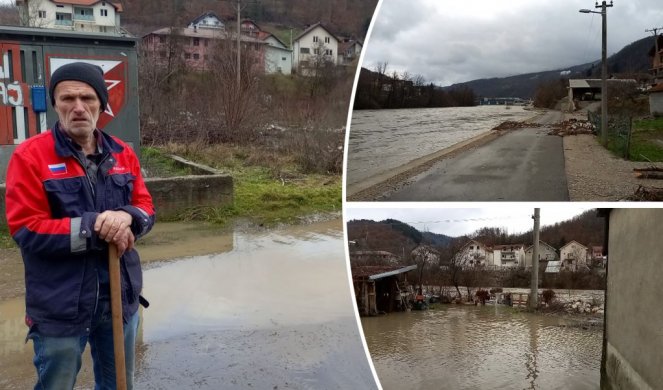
78 108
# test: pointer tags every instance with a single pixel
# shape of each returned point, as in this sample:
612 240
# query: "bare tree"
425 257
238 107
9 15
32 13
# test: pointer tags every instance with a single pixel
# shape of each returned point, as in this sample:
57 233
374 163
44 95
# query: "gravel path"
595 174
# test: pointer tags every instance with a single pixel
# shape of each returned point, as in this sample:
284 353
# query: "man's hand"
114 227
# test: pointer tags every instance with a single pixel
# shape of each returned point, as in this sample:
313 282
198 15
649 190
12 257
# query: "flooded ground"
482 347
262 310
381 140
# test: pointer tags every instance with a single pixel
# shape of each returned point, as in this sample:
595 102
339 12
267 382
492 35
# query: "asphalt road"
522 165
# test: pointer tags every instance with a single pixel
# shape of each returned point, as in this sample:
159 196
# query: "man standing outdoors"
71 192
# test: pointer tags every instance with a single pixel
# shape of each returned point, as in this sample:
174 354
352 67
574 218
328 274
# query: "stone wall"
174 195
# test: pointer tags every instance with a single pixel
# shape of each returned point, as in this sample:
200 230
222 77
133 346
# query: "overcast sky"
449 41
459 221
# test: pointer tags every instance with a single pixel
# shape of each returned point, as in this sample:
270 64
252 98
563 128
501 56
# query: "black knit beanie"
90 74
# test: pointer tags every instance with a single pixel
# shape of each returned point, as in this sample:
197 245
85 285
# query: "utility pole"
655 31
604 72
604 67
239 23
534 294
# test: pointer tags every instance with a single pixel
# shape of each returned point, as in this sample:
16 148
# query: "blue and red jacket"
51 208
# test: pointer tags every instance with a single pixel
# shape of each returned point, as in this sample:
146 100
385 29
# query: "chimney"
195 28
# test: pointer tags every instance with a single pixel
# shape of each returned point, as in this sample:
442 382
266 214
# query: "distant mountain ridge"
632 59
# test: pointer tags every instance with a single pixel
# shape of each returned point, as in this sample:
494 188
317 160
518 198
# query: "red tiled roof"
117 6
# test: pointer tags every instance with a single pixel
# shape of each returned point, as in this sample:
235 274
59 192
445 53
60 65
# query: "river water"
482 347
381 140
266 310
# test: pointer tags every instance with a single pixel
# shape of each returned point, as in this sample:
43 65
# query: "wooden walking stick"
116 311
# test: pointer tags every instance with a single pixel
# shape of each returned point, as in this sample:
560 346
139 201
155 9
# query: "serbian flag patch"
58 169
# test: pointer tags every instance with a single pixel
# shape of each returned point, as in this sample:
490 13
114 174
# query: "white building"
314 44
475 253
278 58
573 256
207 20
78 15
546 253
511 255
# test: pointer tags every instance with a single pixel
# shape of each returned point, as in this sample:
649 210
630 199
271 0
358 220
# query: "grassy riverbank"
270 188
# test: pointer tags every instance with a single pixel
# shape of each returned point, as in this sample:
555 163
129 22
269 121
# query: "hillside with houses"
570 254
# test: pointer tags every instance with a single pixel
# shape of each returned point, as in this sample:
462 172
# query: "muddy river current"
265 310
475 347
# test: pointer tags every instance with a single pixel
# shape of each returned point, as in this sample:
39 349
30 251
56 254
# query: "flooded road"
475 347
265 310
381 140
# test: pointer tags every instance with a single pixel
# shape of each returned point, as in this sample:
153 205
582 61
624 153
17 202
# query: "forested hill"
632 59
348 17
398 237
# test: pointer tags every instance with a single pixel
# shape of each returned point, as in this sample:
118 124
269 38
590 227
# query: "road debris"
512 125
647 194
572 127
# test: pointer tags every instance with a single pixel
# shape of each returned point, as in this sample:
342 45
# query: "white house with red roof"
314 43
77 15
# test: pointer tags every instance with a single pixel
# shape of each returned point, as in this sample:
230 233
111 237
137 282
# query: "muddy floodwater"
475 347
381 140
266 310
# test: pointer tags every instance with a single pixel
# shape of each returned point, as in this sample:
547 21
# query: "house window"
206 42
328 52
104 12
81 13
327 39
103 3
196 41
315 38
60 6
196 56
283 58
316 51
62 19
102 29
187 56
42 14
304 50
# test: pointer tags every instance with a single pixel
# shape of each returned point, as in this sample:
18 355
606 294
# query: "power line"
455 220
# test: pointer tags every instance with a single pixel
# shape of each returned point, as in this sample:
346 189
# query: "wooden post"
116 312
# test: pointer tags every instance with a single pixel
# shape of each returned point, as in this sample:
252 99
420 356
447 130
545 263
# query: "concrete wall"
656 103
177 194
173 195
634 314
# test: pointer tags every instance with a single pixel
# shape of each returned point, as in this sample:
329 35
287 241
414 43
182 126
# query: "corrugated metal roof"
553 266
374 272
